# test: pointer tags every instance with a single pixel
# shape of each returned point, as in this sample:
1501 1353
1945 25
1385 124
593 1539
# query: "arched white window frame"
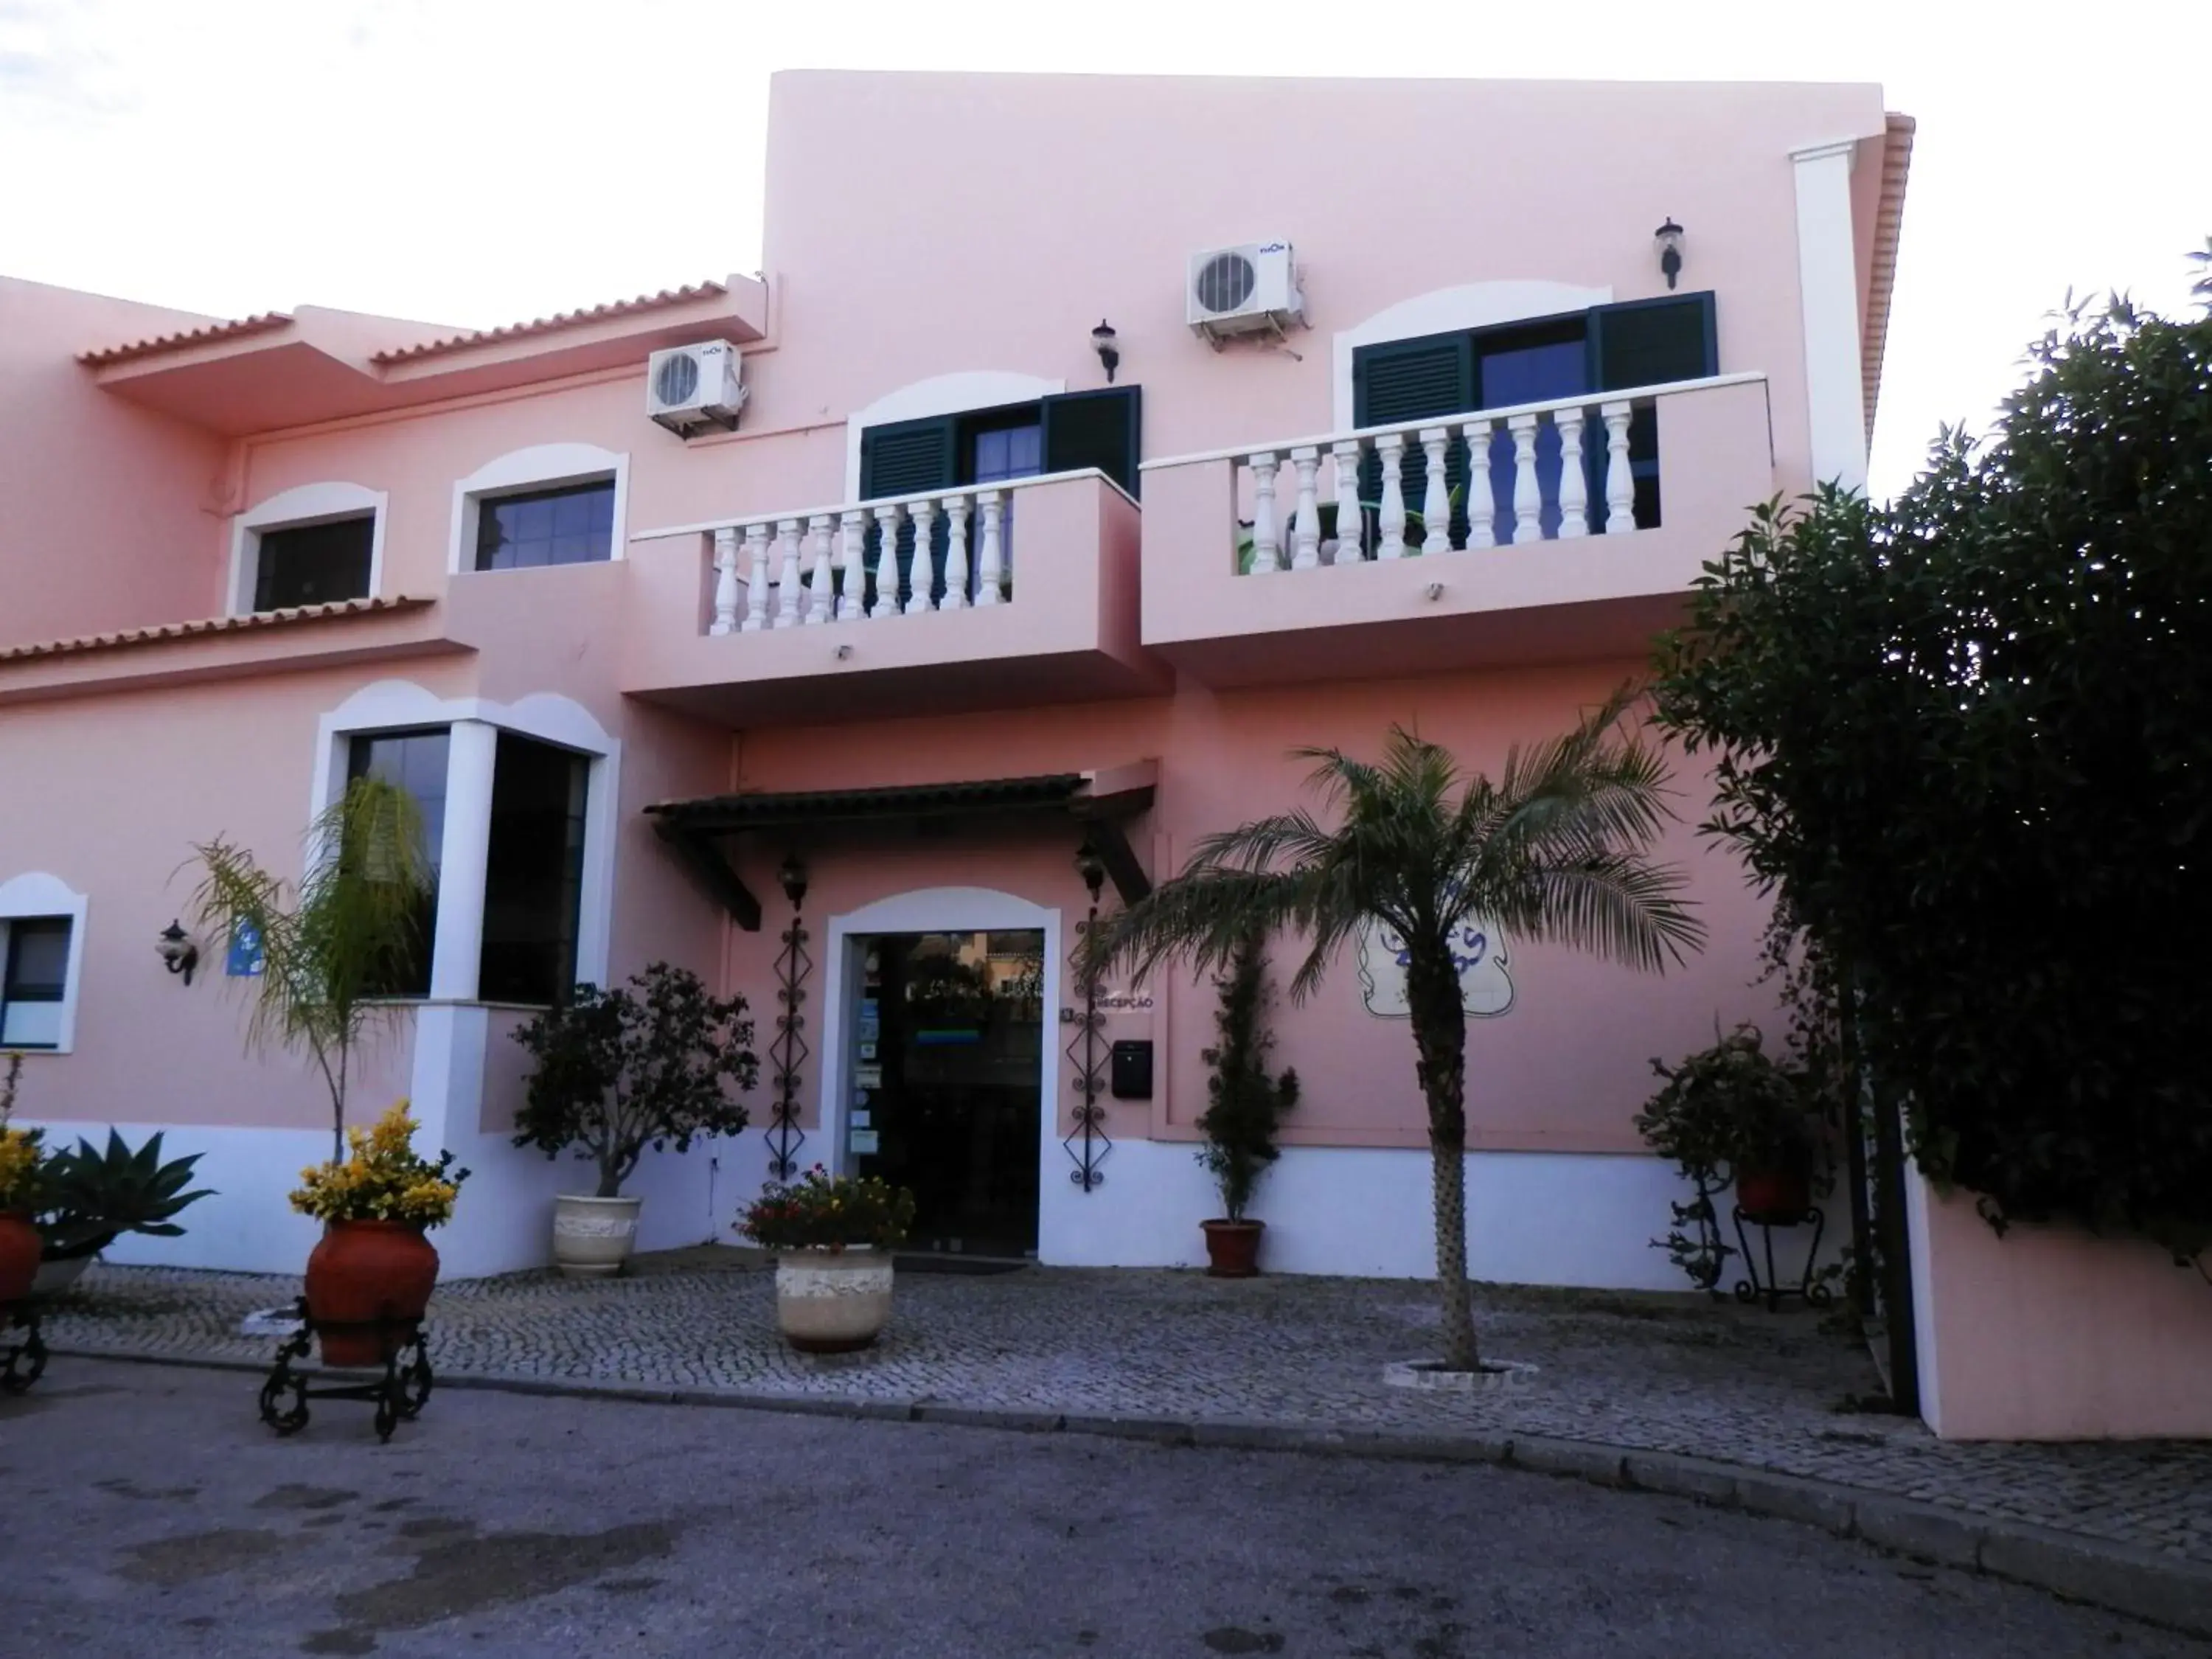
291 509
37 894
928 910
940 394
402 705
1450 311
541 466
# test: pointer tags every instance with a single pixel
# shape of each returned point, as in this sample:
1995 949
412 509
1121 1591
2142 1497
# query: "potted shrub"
375 1265
833 1237
1733 1112
1245 1110
648 1064
21 1156
92 1196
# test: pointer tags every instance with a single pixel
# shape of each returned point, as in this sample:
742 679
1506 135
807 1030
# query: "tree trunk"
337 1106
1439 1020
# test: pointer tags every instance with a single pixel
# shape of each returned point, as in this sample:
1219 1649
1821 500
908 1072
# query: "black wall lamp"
1104 342
178 952
792 875
1091 868
1669 238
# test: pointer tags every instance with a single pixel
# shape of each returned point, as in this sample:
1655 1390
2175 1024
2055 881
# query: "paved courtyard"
150 1518
1647 1372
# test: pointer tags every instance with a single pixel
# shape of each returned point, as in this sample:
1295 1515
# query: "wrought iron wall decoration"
788 1053
1087 1142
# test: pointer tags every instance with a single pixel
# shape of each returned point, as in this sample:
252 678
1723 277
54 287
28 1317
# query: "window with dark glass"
313 564
572 524
416 761
534 877
33 981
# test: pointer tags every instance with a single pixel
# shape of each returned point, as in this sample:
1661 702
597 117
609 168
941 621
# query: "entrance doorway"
946 1055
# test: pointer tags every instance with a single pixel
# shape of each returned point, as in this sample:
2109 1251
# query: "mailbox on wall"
1131 1075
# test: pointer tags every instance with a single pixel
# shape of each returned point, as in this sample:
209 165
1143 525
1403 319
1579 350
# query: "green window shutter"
1650 343
907 457
1095 429
1411 379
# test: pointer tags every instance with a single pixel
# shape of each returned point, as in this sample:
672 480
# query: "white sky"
237 155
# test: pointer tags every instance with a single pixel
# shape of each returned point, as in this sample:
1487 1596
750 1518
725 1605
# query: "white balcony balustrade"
1460 484
871 561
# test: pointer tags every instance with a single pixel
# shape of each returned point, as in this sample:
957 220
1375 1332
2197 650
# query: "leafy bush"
821 1210
1968 738
643 1065
1245 1103
381 1178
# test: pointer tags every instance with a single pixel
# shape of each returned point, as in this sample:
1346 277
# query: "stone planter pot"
833 1301
55 1278
593 1236
365 1274
1232 1247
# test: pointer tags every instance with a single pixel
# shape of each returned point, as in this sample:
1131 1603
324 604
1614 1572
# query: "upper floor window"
1604 349
34 955
319 544
573 523
314 563
1064 432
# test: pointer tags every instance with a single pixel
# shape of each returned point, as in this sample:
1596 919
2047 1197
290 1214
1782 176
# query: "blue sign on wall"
244 960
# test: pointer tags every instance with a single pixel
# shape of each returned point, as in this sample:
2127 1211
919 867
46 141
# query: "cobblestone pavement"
1658 1373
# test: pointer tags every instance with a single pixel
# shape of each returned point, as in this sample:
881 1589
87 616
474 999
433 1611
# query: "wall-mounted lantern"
1106 344
1091 868
177 950
792 876
1669 238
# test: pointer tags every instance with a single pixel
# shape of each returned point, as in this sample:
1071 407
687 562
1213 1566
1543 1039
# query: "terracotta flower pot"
362 1271
1774 1191
1232 1247
19 1257
833 1301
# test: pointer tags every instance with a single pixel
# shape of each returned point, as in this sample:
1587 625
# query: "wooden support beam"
703 855
1114 851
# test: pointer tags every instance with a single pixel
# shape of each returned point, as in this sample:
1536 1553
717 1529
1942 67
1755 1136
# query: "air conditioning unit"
1244 289
689 386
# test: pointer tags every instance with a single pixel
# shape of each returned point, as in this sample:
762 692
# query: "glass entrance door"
946 1069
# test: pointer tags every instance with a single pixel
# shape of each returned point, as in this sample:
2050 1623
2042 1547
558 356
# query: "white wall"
1533 1217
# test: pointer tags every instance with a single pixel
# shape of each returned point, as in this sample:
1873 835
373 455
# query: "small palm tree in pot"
1245 1110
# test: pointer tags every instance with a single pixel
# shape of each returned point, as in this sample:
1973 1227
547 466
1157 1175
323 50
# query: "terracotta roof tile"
559 321
260 324
1888 225
259 620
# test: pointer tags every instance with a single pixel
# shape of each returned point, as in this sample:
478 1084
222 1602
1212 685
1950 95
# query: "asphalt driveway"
148 1513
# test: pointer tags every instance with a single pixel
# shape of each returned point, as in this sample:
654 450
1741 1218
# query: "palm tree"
1554 850
337 949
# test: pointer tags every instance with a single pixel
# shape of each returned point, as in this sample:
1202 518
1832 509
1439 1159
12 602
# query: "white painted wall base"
1533 1217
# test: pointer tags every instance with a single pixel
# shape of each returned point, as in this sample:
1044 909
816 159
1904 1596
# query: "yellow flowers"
19 1156
382 1179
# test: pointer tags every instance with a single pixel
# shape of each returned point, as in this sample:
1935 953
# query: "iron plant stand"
1816 1294
23 1362
789 1053
398 1394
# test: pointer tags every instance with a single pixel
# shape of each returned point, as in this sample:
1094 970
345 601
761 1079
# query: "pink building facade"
650 682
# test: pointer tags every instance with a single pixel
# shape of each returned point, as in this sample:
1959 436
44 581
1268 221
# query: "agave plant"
94 1195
